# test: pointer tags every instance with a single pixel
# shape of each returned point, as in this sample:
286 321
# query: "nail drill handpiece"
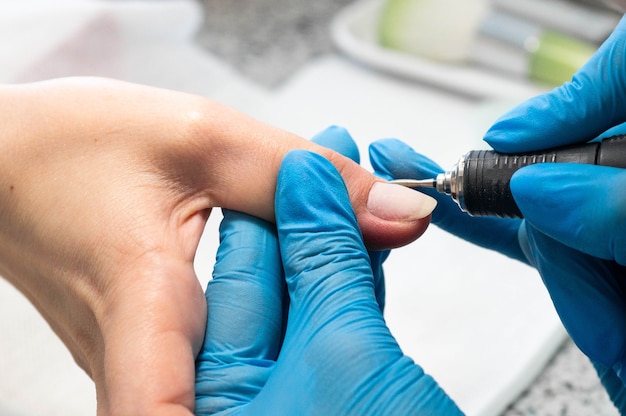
479 181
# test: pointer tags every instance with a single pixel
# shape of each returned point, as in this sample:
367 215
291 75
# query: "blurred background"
268 40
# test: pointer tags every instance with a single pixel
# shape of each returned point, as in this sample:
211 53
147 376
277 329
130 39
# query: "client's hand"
105 188
294 326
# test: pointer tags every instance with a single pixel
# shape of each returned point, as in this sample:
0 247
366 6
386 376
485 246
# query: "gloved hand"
574 231
576 228
293 323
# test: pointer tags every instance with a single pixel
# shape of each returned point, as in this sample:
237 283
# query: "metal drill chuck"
479 181
451 182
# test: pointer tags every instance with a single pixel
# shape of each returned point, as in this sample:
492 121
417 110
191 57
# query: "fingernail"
398 203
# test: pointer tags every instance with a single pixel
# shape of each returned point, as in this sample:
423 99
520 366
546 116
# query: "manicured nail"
398 203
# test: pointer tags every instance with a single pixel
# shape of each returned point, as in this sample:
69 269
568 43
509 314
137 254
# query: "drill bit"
416 183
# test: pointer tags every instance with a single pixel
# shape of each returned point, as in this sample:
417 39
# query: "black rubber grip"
487 174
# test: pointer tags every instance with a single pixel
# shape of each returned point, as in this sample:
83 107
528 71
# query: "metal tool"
479 181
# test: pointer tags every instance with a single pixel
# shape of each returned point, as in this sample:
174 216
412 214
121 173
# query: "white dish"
354 33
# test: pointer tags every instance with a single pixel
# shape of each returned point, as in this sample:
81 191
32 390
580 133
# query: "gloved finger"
335 327
321 246
245 315
339 139
582 206
576 112
613 386
587 293
393 159
377 259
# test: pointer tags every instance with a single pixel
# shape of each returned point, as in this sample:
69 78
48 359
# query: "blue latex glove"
293 323
338 139
576 222
574 231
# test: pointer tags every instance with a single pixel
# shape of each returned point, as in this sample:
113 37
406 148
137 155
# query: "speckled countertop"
268 40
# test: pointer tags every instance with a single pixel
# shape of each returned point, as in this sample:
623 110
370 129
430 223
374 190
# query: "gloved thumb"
339 139
581 206
317 229
335 328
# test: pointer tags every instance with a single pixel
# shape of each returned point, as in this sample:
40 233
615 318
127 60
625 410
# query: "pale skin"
105 188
